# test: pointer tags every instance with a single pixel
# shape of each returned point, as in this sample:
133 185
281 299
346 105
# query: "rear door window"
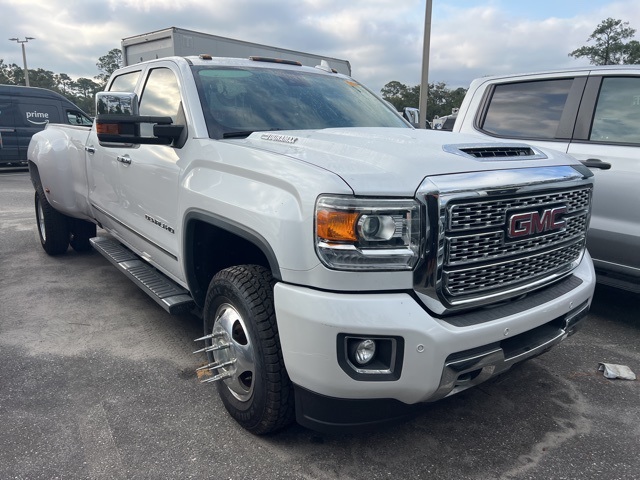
527 109
617 115
125 83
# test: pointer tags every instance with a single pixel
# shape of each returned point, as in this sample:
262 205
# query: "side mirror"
412 115
118 122
116 103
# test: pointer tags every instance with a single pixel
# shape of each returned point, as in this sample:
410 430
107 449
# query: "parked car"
27 110
592 113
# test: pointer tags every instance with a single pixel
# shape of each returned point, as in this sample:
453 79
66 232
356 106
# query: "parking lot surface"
97 381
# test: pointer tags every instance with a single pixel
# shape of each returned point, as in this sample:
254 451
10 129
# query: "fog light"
370 358
365 351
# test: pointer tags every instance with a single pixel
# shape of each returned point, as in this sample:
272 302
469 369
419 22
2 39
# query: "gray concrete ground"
96 381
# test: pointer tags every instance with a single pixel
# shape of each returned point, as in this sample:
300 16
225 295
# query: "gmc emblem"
531 223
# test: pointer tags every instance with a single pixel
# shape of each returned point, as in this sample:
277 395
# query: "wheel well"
34 174
210 248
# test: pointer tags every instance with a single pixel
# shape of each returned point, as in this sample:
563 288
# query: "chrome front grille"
491 213
480 258
480 253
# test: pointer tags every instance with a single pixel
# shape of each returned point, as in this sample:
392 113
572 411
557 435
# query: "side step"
168 294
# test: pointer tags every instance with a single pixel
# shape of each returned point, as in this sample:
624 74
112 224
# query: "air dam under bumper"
439 359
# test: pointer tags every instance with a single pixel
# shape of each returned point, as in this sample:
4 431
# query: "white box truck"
180 42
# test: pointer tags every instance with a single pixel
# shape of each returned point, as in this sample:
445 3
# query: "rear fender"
57 161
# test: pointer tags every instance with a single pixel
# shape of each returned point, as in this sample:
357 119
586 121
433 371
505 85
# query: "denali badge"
530 223
159 223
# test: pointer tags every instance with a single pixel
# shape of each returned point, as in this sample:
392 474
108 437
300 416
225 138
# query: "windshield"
238 101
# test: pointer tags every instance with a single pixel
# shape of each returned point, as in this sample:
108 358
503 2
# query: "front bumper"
440 356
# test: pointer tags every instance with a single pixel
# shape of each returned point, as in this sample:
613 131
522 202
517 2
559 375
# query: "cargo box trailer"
181 42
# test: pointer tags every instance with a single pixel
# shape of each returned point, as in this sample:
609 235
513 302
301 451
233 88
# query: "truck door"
139 189
608 130
102 167
9 152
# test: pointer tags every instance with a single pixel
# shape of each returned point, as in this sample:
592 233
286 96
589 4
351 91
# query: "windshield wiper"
246 133
239 134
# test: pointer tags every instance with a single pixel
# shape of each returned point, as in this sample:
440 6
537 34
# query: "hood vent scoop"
486 152
507 151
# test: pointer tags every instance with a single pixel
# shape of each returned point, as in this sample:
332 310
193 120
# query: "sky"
382 39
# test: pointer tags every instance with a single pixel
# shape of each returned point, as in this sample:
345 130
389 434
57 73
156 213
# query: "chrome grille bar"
485 214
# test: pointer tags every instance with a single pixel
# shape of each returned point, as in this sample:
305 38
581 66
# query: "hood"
394 161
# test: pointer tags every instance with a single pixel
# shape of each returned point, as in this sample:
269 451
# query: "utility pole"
24 56
424 84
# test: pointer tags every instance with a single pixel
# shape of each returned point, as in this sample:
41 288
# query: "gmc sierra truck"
347 266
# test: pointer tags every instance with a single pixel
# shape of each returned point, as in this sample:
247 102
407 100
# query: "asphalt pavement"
98 382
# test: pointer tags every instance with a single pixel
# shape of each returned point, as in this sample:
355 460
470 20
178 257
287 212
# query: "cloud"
382 39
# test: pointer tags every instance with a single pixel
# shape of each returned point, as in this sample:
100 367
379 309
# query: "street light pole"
424 84
24 56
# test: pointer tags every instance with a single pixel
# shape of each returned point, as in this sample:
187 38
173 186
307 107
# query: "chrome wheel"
243 349
230 329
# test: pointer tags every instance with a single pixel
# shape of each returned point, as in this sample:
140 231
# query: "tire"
53 226
239 309
81 232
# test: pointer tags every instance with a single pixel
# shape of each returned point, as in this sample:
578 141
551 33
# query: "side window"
125 83
76 118
160 97
617 117
527 109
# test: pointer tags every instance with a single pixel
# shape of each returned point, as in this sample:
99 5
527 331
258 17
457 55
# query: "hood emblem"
274 137
532 223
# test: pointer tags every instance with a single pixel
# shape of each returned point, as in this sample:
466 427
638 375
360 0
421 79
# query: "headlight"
367 234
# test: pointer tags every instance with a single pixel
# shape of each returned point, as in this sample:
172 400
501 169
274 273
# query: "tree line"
613 40
80 91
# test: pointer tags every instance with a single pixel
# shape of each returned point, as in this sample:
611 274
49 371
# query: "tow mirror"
118 122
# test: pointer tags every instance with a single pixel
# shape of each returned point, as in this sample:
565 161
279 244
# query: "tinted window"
160 97
253 99
528 109
77 118
617 117
125 83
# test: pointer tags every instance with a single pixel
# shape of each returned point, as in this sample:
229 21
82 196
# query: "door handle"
596 163
126 159
90 150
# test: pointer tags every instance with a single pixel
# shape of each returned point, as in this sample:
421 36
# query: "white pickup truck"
347 266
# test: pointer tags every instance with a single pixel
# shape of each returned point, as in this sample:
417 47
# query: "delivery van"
27 110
